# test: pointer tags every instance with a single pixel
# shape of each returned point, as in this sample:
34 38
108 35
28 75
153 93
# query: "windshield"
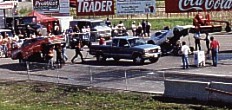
94 24
136 42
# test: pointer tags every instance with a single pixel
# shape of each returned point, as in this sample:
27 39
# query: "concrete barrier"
221 92
204 91
186 89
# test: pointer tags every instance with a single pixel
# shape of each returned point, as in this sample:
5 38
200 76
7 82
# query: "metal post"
57 75
91 76
126 79
28 67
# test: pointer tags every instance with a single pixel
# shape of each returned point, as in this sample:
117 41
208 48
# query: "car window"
115 42
136 42
123 43
101 23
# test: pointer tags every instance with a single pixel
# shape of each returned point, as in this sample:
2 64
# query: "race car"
168 38
32 49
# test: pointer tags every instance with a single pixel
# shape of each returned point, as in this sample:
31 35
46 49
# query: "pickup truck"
127 47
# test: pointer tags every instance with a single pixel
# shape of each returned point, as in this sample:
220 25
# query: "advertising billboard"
178 6
135 7
57 7
95 7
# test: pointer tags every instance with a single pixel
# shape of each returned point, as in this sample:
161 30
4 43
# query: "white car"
167 39
163 35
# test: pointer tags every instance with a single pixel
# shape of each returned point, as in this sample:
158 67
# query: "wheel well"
135 54
150 42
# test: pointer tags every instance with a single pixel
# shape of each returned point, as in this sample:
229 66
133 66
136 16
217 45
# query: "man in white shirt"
185 50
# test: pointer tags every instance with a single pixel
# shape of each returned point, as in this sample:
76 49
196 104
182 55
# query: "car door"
124 48
115 48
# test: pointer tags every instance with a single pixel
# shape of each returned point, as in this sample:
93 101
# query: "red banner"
95 7
178 6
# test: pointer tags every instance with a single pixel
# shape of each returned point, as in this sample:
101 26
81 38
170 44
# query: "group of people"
212 45
142 29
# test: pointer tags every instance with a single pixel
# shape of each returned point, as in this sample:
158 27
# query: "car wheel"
153 60
116 59
138 59
228 29
100 58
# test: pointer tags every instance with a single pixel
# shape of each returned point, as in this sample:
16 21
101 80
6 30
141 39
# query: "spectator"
143 27
76 29
108 22
185 50
214 47
139 30
207 41
197 37
101 40
78 51
56 29
59 58
148 27
49 56
83 30
65 57
133 27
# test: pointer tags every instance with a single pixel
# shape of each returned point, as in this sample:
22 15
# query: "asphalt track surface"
124 75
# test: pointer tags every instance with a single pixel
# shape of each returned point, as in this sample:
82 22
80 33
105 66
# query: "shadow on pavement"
13 67
113 63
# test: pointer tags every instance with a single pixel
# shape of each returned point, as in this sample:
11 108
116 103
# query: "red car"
32 49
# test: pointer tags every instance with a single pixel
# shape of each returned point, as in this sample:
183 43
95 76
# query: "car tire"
138 59
228 28
153 60
100 58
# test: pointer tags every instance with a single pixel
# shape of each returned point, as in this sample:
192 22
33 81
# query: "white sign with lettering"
135 7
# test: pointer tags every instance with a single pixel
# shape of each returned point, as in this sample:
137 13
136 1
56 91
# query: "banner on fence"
178 6
55 7
135 7
95 7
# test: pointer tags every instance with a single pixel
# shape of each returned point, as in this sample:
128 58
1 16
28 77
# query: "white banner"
6 5
54 7
135 7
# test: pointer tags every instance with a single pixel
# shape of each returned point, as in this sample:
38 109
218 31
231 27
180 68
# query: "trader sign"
95 7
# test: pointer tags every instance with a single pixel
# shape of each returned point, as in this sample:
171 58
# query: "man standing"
197 38
148 27
185 50
214 47
207 42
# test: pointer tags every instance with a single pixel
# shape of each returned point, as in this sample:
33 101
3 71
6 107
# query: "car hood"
147 46
102 28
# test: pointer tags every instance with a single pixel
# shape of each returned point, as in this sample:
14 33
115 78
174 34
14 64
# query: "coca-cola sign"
178 6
